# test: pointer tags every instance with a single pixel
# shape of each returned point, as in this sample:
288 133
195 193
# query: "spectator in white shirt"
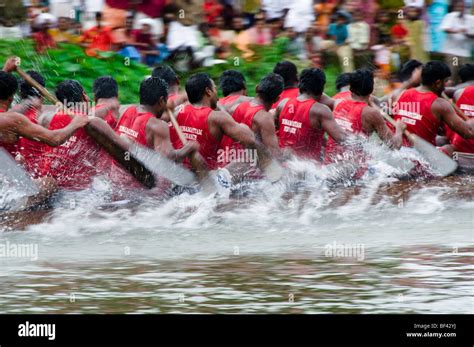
359 32
458 25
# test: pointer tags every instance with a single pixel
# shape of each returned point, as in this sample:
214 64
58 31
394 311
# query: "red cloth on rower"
132 124
348 114
346 95
109 117
74 163
32 151
287 93
465 104
193 121
295 129
415 112
226 141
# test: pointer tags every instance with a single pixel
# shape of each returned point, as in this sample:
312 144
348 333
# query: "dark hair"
466 72
232 81
8 85
165 73
69 91
270 87
196 86
152 89
362 82
434 71
343 80
105 87
407 69
312 81
26 90
98 15
288 71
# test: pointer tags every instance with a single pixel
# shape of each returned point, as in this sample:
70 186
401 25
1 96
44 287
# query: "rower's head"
232 82
269 89
26 90
8 88
167 74
288 71
362 82
105 87
201 89
408 68
434 76
312 82
154 95
72 95
343 81
466 73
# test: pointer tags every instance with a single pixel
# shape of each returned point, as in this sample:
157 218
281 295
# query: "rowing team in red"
289 114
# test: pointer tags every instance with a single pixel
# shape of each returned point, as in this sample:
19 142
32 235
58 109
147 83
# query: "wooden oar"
459 112
270 167
134 159
440 162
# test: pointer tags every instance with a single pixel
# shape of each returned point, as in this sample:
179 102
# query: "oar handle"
31 81
459 112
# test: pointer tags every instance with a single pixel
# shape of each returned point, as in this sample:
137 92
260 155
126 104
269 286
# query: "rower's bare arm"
323 114
327 100
179 100
373 121
443 109
102 112
27 104
162 143
234 130
266 126
24 127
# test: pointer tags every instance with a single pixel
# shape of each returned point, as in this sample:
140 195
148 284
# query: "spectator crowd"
351 33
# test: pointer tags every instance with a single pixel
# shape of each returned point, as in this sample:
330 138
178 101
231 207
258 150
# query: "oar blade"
13 173
161 166
441 164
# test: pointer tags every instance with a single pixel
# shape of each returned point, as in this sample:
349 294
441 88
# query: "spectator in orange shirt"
98 38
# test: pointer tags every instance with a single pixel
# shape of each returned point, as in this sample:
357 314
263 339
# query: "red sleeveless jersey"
465 104
414 109
74 163
32 151
295 129
348 115
11 148
229 99
132 125
244 114
193 122
109 117
346 95
288 93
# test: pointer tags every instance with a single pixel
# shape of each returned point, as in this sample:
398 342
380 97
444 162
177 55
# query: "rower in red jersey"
464 99
105 90
232 84
356 117
289 72
142 124
73 164
14 125
175 96
31 151
200 123
424 111
254 113
303 120
343 87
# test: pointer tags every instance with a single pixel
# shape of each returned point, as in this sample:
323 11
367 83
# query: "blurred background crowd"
347 33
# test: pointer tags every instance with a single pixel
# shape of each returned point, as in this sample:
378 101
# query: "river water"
386 246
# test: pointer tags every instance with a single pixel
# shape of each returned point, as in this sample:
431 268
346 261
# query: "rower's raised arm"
445 111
